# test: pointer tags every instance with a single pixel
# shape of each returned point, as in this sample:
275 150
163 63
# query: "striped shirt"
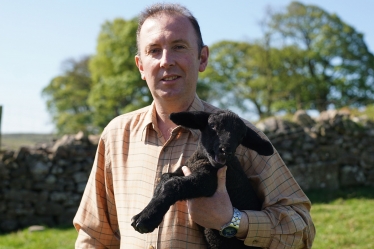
131 157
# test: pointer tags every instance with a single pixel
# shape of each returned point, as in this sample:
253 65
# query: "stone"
58 196
351 176
367 158
80 177
8 225
316 175
302 118
39 168
36 228
51 179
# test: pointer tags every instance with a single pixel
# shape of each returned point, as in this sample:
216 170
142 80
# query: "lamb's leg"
167 193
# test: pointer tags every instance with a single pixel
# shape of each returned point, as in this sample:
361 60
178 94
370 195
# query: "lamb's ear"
193 120
253 141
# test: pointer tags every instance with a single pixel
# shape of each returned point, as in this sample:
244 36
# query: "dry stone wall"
332 151
43 185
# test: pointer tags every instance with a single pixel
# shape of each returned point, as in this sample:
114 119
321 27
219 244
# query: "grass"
344 224
57 238
343 219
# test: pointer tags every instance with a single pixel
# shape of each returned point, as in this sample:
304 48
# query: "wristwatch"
230 229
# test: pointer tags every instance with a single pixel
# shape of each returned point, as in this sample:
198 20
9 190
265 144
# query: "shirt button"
151 247
255 242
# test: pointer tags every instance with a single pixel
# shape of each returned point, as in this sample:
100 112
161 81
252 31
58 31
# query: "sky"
37 36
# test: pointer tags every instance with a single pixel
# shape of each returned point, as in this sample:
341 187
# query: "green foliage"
337 67
367 112
307 59
117 86
241 71
67 98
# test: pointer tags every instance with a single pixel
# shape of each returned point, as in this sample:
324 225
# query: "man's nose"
167 59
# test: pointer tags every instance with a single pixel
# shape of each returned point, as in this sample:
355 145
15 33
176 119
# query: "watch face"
229 232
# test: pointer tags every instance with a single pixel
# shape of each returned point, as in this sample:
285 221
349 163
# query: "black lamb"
221 134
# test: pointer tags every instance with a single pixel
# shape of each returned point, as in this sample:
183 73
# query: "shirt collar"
150 117
197 105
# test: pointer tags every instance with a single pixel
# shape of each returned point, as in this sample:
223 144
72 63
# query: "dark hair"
172 9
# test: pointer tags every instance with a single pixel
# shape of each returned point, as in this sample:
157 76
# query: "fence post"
1 112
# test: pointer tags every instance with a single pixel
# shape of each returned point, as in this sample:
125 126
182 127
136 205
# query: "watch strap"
234 223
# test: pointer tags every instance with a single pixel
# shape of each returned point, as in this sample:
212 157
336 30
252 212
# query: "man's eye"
178 47
153 51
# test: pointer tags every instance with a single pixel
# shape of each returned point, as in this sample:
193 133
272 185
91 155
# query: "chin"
176 96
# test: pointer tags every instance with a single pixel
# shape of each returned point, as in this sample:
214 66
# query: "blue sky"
37 36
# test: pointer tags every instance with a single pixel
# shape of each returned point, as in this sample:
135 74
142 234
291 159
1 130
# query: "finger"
186 171
221 175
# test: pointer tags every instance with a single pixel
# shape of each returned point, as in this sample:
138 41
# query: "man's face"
169 60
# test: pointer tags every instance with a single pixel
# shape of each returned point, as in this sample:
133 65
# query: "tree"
67 98
117 86
242 72
337 67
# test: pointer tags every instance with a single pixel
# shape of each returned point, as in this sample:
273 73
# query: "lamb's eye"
213 126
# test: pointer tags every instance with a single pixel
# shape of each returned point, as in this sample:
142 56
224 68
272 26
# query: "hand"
215 211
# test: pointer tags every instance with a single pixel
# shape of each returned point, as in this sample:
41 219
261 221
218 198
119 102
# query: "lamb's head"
221 134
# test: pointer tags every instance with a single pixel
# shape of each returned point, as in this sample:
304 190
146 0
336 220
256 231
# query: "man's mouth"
170 78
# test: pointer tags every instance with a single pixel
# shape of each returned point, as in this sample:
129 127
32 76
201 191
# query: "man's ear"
193 120
254 142
204 55
139 64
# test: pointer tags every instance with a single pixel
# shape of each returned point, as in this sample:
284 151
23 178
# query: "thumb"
186 171
221 177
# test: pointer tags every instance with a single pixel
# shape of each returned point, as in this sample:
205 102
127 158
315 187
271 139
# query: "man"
136 148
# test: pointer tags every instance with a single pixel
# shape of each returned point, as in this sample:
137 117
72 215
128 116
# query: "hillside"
15 141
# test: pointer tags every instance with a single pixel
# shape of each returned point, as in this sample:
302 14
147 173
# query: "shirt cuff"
259 229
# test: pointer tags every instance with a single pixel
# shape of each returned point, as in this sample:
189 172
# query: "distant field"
15 141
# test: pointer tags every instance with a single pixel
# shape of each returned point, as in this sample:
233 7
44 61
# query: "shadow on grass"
327 196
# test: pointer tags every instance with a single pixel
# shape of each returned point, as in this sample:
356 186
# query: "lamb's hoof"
141 226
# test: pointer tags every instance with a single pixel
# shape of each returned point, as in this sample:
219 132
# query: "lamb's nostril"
225 151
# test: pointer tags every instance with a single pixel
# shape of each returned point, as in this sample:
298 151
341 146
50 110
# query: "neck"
163 112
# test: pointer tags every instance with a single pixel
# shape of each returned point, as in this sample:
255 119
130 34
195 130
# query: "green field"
15 141
343 219
56 238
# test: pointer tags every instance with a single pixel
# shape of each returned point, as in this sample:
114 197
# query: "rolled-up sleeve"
96 218
285 220
280 227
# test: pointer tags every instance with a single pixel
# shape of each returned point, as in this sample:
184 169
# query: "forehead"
166 27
